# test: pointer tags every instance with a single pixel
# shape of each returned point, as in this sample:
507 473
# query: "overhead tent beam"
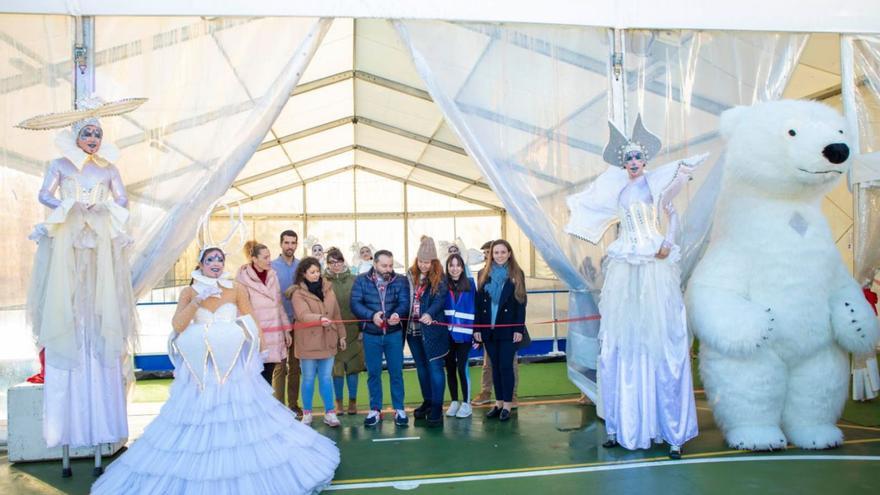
287 187
386 175
409 134
293 165
842 16
422 166
114 53
367 215
373 171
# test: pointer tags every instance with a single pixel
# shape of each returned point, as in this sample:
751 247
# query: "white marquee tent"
380 121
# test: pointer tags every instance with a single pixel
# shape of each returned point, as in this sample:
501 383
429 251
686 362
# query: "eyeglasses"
336 262
633 155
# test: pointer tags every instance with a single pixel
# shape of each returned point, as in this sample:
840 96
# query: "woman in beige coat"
261 283
318 334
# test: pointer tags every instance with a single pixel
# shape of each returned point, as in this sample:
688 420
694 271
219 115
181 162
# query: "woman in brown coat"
317 335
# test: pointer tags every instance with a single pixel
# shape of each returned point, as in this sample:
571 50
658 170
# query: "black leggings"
457 361
267 371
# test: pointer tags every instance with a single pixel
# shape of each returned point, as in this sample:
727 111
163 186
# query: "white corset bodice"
225 313
640 226
70 188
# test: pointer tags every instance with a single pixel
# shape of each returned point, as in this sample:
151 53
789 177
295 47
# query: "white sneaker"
307 418
453 408
331 420
464 411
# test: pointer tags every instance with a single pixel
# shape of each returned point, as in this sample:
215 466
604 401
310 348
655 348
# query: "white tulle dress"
644 363
221 432
644 371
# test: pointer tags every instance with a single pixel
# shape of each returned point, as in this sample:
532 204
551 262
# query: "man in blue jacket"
382 297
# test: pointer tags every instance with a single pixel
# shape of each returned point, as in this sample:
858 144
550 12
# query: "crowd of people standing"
325 321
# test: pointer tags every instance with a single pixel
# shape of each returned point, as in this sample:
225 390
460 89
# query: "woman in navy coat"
500 321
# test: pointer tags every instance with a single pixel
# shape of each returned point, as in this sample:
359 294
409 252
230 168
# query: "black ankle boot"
421 412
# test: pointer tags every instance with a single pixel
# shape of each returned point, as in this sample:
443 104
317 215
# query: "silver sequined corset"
70 188
640 225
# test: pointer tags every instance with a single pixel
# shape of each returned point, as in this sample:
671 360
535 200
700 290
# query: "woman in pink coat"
262 286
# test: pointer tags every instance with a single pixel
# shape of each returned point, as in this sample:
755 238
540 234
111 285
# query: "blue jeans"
323 370
391 346
432 375
339 382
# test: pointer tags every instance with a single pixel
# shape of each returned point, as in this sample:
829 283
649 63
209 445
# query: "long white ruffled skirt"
228 439
644 364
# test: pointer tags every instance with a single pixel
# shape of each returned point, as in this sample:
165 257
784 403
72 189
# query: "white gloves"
205 291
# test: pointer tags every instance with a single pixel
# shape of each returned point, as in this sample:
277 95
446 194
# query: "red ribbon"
317 323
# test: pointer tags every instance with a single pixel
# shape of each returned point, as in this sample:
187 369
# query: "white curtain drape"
861 62
531 105
215 86
175 228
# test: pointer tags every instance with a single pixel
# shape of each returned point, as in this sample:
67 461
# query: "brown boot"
352 406
339 407
297 410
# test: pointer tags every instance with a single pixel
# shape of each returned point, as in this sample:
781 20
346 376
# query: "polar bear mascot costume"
773 305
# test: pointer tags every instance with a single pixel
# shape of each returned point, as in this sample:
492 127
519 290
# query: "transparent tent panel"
379 52
450 161
419 199
339 233
335 53
326 166
249 69
377 194
382 164
264 161
288 201
316 107
397 109
437 181
381 234
388 142
273 182
447 135
331 195
308 147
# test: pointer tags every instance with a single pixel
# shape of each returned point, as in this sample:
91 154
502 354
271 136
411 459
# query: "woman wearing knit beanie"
427 337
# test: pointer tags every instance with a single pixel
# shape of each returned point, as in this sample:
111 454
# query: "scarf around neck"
316 288
497 278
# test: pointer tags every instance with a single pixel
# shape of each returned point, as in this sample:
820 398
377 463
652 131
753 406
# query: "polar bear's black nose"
836 153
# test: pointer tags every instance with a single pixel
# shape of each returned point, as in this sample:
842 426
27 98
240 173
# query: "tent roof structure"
362 106
810 16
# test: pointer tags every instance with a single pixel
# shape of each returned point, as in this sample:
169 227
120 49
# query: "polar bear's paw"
854 323
756 438
815 437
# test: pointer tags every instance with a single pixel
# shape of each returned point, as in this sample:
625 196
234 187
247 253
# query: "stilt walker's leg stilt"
99 469
65 462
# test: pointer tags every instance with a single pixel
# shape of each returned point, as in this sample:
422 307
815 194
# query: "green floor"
551 443
546 379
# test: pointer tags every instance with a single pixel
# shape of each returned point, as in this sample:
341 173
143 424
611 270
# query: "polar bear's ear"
730 120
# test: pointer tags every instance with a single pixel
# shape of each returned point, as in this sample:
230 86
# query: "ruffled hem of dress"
227 439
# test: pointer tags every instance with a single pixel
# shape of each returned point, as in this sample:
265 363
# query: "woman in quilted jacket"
261 283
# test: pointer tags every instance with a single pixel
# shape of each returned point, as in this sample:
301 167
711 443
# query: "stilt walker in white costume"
645 383
80 302
221 432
